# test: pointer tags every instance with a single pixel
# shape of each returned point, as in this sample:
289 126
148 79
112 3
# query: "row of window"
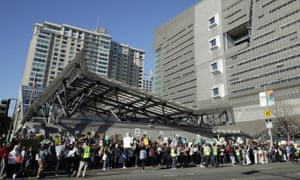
262 45
185 83
282 6
183 97
185 44
234 13
279 62
269 74
263 35
291 23
233 5
269 54
278 19
180 70
268 3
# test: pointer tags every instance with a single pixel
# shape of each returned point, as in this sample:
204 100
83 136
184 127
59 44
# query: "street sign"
269 124
268 113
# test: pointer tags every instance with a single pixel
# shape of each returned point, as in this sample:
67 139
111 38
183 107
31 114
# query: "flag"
34 85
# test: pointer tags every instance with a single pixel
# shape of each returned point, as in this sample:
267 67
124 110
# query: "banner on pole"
266 98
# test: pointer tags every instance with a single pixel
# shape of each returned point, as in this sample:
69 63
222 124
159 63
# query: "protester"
20 163
3 155
74 154
42 155
11 167
85 159
174 157
142 156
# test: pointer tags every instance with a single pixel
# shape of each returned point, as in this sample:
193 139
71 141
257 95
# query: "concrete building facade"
219 55
174 62
262 52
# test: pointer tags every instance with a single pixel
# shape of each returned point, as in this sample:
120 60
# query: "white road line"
170 175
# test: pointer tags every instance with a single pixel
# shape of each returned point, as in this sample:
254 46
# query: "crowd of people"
71 155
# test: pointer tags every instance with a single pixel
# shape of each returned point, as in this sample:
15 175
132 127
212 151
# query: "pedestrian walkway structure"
77 90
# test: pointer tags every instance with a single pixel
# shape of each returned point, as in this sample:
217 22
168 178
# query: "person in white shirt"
11 161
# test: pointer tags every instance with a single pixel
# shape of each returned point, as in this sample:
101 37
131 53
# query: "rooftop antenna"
97 28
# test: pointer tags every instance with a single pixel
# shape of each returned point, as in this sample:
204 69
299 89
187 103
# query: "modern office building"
219 55
54 46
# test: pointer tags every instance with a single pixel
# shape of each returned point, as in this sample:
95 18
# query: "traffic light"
4 106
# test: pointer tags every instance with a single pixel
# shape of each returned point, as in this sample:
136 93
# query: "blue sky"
128 21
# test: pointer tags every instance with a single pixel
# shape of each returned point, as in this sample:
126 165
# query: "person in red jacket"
230 152
3 154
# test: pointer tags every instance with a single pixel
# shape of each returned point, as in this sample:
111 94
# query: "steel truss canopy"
78 90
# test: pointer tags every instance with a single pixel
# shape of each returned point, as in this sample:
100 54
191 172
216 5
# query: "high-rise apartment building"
54 46
148 83
126 64
219 55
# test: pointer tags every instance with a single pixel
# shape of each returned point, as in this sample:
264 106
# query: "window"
216 67
217 91
213 21
214 43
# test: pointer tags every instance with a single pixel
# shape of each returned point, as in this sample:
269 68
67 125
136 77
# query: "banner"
266 98
262 99
270 97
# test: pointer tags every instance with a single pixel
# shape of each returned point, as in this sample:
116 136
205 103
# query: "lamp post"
268 121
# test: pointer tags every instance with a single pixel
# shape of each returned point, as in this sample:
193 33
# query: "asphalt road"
273 171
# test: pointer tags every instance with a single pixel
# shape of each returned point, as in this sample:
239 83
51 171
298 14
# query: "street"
273 171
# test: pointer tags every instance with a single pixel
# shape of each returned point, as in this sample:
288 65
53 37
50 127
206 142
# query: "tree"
287 122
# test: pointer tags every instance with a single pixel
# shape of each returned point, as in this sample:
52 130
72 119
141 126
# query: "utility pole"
268 114
266 100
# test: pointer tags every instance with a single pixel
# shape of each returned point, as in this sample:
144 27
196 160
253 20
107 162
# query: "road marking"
190 174
265 168
181 174
170 175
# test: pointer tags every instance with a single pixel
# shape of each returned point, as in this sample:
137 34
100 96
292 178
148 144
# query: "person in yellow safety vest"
214 158
207 152
173 155
239 155
280 154
85 158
